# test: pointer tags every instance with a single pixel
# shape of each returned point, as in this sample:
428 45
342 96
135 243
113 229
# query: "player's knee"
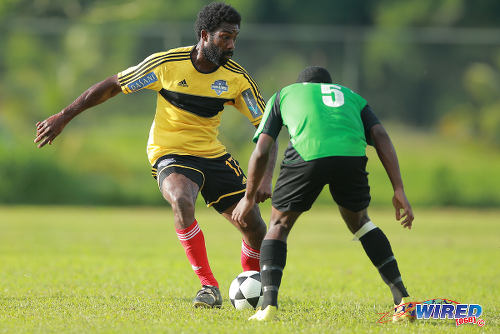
182 204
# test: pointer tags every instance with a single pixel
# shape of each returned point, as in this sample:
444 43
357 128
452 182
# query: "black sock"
379 250
272 263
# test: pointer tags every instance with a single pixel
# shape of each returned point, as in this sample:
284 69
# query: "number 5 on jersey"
328 100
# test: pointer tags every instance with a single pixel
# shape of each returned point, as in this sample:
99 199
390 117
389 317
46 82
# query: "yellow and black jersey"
189 103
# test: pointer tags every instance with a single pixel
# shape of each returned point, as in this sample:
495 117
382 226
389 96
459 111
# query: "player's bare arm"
256 171
49 129
266 185
387 155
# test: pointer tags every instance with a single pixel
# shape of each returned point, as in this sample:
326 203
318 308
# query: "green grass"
122 270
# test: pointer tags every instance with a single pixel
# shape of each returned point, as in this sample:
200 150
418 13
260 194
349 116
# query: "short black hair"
212 15
315 74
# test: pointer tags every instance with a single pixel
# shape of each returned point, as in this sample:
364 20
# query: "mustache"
228 53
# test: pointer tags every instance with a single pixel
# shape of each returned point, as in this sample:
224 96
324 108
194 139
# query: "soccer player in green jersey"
329 127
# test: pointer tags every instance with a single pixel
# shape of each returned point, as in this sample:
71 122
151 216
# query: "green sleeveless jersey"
322 119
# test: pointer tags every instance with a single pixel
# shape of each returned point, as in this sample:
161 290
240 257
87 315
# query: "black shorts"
299 184
221 180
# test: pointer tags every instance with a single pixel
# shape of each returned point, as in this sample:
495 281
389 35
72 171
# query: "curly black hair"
212 15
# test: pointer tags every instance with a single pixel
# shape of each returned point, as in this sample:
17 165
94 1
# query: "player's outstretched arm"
49 129
389 159
256 171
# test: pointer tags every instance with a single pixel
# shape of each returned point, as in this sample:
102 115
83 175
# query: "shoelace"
206 291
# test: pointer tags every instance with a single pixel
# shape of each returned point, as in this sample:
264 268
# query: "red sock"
193 242
249 257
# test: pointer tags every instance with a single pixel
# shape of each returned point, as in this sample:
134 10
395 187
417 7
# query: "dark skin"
177 189
282 222
224 38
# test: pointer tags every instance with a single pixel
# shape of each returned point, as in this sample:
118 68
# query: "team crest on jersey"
219 86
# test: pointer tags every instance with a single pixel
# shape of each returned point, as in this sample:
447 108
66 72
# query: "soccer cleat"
267 314
404 312
208 297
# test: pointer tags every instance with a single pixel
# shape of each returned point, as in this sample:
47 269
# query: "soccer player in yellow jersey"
193 84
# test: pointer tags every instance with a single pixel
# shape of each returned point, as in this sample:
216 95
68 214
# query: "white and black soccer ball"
245 291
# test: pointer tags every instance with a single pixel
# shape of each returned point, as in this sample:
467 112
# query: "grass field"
122 270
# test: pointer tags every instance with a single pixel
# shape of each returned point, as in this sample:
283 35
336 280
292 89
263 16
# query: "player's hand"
241 210
264 191
48 130
403 208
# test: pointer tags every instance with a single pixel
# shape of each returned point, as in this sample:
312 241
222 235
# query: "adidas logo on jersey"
182 83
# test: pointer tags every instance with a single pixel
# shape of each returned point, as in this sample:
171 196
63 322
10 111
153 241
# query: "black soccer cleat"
208 297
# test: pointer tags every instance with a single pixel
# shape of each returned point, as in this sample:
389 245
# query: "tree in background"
402 64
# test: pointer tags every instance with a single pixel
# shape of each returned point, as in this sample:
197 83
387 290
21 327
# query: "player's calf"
272 263
378 249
